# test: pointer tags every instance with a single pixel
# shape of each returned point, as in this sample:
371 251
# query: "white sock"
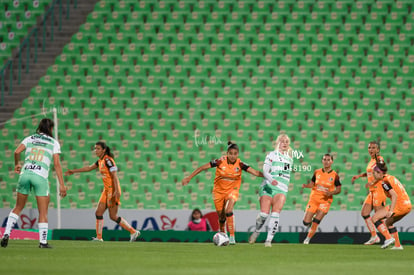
273 226
43 226
260 220
11 221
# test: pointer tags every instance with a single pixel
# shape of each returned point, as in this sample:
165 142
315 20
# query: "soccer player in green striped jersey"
273 190
40 150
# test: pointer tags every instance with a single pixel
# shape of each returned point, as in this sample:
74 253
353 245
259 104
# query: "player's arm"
266 173
115 180
363 175
59 174
393 195
197 171
80 170
338 187
17 165
250 170
394 198
310 184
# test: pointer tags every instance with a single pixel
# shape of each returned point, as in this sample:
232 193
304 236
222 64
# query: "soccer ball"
221 239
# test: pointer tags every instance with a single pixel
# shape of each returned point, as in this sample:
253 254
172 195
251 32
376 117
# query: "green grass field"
82 257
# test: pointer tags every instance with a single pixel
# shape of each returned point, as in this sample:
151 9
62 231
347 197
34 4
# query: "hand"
274 182
62 191
185 181
17 169
304 185
354 178
69 173
389 214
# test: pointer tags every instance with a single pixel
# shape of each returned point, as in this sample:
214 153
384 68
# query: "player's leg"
389 222
113 215
99 212
229 206
42 205
265 204
381 227
315 223
13 217
277 204
367 207
219 203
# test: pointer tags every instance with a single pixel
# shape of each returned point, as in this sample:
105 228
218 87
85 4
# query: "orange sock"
125 225
394 234
383 229
313 228
230 225
99 227
370 225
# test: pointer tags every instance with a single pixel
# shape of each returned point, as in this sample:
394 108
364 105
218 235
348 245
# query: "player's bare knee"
307 224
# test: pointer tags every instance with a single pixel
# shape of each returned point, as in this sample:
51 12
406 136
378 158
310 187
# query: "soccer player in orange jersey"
226 185
375 199
325 183
400 206
110 197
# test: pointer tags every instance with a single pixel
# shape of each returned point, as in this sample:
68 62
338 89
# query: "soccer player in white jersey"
40 149
273 190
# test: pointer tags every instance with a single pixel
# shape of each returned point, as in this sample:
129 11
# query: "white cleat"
134 236
388 242
268 244
373 240
397 248
306 241
253 237
95 239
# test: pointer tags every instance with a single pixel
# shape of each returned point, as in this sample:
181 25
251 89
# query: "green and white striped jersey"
40 149
278 167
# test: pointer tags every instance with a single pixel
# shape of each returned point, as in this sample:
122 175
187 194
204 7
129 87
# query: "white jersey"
279 166
40 149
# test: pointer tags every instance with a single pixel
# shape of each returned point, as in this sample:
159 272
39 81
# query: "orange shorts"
402 209
106 198
220 198
318 202
376 198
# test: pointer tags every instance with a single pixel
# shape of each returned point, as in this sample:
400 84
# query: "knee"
115 218
229 214
307 224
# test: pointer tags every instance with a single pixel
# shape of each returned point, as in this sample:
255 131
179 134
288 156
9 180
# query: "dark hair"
231 145
196 210
328 155
106 148
376 143
45 127
381 166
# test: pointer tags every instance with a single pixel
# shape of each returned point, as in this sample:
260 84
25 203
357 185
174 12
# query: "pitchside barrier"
206 237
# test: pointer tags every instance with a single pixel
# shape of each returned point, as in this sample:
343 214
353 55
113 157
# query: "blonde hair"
279 137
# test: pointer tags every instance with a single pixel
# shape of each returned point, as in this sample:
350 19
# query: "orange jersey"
370 174
324 181
228 176
390 182
107 165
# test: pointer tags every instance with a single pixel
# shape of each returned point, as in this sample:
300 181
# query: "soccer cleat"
397 248
388 242
253 237
94 239
5 240
134 236
268 244
307 240
373 240
232 240
44 245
